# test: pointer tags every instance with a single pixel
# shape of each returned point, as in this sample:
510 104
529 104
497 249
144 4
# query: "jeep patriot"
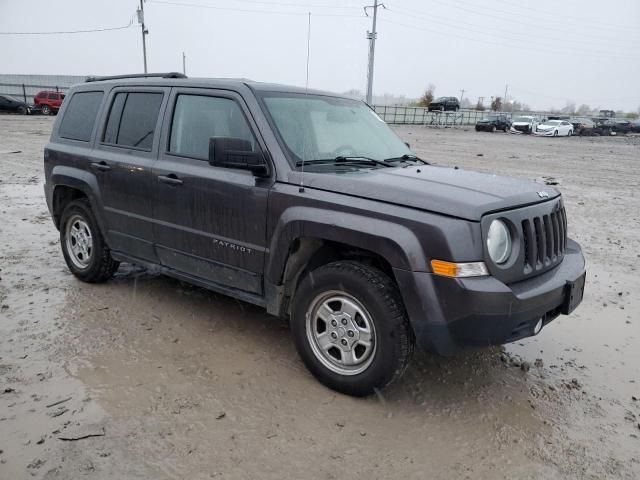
307 204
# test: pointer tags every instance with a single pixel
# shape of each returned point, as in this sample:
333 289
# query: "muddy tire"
84 249
350 328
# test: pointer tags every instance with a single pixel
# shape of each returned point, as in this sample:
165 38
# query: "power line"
301 5
503 19
449 33
483 30
69 32
248 10
582 21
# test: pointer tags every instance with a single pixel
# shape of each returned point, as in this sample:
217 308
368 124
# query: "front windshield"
491 117
13 99
552 122
522 119
317 127
441 99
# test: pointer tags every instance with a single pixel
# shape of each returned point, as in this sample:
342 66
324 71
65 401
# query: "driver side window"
197 118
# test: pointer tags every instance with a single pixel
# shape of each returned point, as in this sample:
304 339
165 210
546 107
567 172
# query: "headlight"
499 242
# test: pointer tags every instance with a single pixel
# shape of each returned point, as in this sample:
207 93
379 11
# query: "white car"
524 124
555 128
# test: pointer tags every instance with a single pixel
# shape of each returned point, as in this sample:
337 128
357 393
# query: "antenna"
306 90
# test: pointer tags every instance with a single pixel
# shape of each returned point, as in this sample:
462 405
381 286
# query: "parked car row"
557 126
46 103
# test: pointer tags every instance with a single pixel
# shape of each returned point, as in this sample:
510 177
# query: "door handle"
101 166
171 179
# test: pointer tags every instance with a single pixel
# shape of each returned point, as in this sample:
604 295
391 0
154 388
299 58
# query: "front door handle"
101 166
171 179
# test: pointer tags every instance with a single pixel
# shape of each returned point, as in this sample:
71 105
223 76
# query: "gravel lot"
161 380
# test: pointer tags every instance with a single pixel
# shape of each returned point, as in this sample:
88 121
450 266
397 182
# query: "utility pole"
371 36
504 100
145 32
184 63
462 95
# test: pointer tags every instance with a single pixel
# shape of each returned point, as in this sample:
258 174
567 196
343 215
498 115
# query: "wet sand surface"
161 380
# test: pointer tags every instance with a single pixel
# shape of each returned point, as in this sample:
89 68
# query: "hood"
522 124
454 192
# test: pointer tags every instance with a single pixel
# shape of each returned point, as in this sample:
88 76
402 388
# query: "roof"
173 79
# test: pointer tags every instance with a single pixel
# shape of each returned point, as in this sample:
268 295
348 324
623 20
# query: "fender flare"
397 244
87 183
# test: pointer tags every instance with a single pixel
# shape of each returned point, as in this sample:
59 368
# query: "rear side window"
197 118
53 96
132 119
42 95
80 116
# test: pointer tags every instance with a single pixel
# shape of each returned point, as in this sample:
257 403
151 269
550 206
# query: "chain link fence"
404 115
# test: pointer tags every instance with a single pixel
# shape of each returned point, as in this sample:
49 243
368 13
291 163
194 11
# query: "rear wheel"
46 110
350 327
84 249
22 110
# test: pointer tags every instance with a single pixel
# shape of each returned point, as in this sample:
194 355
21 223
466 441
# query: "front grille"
544 240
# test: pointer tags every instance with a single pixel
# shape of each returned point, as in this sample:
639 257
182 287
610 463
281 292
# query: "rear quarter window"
132 119
80 116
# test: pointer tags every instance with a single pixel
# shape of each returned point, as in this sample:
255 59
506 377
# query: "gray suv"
306 203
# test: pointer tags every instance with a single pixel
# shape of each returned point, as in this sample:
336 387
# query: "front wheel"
493 129
350 327
85 251
569 133
555 134
46 110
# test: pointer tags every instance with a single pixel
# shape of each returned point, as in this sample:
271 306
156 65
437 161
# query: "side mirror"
229 152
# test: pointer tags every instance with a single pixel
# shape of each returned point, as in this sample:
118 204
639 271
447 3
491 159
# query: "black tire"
22 111
493 128
101 266
378 294
478 129
46 110
555 133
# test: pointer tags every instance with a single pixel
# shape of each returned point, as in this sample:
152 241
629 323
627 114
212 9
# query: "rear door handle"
171 179
102 166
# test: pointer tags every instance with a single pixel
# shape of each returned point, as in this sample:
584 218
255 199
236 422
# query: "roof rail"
138 75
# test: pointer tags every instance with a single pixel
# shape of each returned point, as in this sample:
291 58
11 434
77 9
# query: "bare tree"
496 104
480 106
427 97
570 107
583 110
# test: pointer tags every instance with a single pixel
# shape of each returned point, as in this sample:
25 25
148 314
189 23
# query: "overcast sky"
548 52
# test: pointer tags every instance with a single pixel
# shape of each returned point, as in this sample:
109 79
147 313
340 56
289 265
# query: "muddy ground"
169 381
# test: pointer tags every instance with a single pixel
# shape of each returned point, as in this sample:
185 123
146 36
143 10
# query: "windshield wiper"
406 156
345 159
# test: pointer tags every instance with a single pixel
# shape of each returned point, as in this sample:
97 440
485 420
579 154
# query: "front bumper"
450 314
545 133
